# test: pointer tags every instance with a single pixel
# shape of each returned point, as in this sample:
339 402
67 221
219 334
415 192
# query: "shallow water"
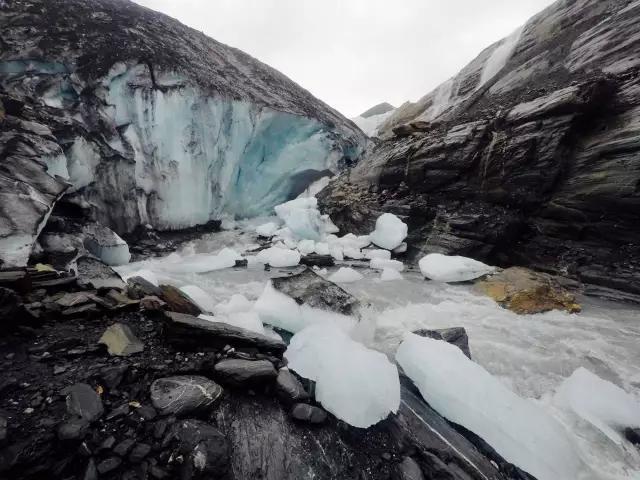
531 354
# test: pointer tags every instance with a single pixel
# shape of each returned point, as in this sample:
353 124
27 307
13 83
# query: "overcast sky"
354 54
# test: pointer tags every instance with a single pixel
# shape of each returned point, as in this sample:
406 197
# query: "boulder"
408 469
92 273
177 301
191 333
83 401
456 336
204 448
152 304
245 373
289 389
139 287
311 289
74 429
303 412
182 395
121 341
524 291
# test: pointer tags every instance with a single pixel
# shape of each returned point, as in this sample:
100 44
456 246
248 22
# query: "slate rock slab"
244 373
184 394
83 401
121 341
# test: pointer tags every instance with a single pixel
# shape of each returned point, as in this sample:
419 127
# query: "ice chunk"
237 303
356 384
390 231
601 403
381 264
389 275
353 253
201 263
444 268
247 320
279 257
345 275
106 245
336 252
267 229
377 253
282 311
305 247
148 275
302 217
465 393
322 248
201 298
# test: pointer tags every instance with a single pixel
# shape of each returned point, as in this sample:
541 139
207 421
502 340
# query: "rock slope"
149 121
529 156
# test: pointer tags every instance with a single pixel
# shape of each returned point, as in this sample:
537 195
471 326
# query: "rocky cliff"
530 155
145 121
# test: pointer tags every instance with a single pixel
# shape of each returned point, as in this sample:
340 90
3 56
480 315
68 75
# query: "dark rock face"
182 395
456 336
536 166
204 447
311 289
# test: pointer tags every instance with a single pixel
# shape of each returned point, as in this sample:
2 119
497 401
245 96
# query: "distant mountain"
370 120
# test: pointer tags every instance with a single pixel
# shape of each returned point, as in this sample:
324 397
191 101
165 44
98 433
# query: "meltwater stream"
530 354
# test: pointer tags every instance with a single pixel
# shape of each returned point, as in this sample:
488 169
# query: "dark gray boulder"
309 288
182 395
303 412
408 469
138 287
204 448
289 389
92 273
245 373
456 336
74 429
83 401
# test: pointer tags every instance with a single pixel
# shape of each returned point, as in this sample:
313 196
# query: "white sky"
353 54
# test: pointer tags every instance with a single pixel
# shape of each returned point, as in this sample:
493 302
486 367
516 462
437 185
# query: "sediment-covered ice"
465 393
390 231
445 268
345 275
603 404
358 385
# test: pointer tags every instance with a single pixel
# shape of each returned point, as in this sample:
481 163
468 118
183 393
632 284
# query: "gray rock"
83 401
74 429
10 308
245 373
177 301
191 333
4 424
304 412
139 452
108 465
455 336
92 273
408 469
182 395
311 289
633 435
121 341
122 448
112 376
289 389
91 472
138 287
204 447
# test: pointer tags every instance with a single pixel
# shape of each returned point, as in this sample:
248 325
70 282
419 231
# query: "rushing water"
531 354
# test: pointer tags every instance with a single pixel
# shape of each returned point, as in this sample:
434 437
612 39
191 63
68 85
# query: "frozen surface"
345 275
465 393
390 275
356 384
444 268
390 231
601 403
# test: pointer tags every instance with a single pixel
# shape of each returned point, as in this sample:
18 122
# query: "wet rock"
121 341
456 336
304 412
123 447
108 465
311 289
118 412
74 429
4 427
112 376
139 452
145 413
524 291
152 304
289 389
83 401
182 395
178 302
245 373
91 472
633 435
187 332
107 444
138 287
10 308
205 449
314 259
92 273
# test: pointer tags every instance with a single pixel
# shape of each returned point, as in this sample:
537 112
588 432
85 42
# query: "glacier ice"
247 320
267 229
302 217
345 275
237 303
389 275
372 253
356 384
451 268
383 264
465 393
106 245
603 404
390 231
201 298
279 257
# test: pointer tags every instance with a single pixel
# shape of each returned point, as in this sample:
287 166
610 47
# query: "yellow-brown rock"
524 291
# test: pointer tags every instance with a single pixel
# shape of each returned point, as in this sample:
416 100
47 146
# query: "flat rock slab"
191 333
93 273
245 373
184 394
311 289
121 341
455 336
177 301
83 401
